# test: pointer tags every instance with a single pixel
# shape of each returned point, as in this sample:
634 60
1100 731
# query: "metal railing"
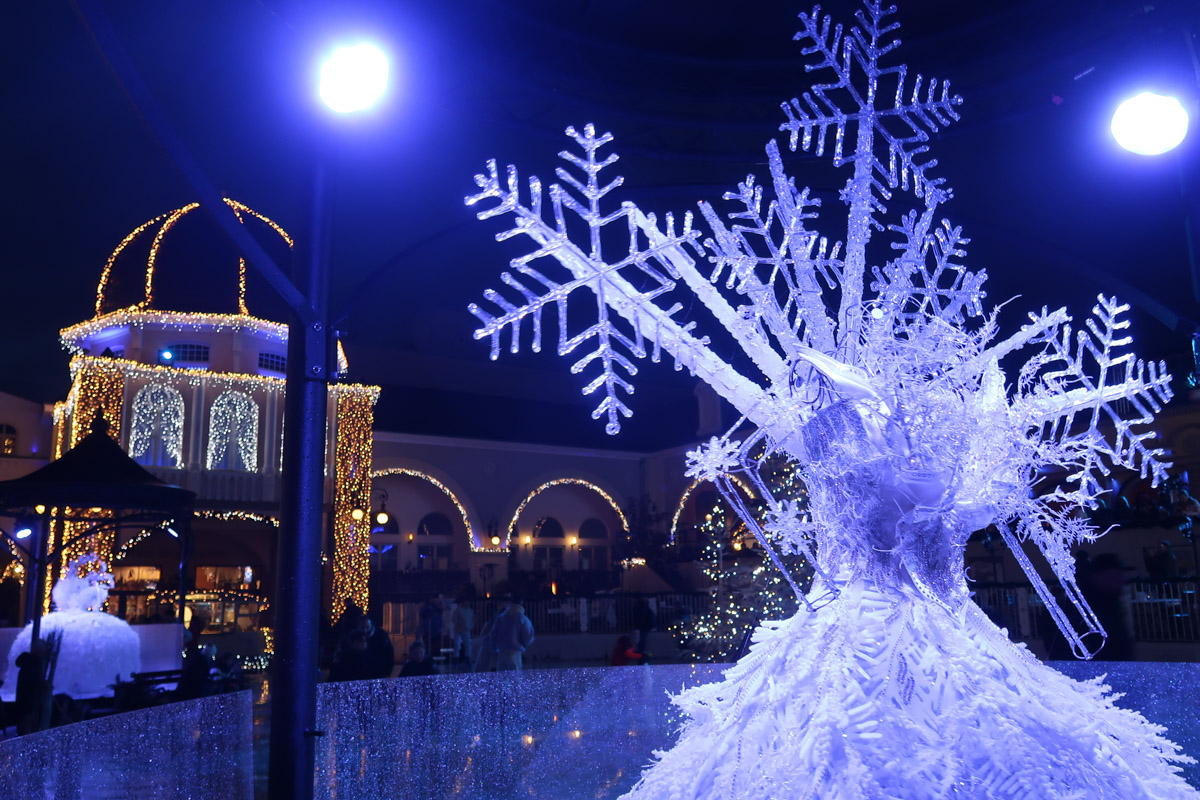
1157 611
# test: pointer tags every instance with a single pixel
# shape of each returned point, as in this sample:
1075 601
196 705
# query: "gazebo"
97 486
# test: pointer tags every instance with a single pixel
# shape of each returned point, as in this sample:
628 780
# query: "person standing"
512 633
462 621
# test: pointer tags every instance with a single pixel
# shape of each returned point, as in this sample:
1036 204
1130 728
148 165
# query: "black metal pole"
294 671
39 565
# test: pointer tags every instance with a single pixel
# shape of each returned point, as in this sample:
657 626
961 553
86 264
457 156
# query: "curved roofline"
168 221
179 320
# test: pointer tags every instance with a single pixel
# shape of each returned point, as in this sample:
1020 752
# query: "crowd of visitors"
448 640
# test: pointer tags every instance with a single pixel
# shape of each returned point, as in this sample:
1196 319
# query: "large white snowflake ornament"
875 367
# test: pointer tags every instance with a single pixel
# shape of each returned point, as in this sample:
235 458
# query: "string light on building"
72 337
157 424
512 524
239 516
108 265
169 220
462 511
174 217
352 491
233 432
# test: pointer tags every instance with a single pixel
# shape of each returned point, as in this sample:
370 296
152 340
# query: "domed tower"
185 358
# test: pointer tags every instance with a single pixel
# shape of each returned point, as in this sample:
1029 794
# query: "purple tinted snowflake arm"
773 259
648 257
818 112
1088 377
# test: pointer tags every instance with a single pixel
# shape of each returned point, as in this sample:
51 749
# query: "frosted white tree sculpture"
879 374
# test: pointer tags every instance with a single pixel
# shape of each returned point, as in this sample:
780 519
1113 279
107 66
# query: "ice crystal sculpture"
876 361
878 372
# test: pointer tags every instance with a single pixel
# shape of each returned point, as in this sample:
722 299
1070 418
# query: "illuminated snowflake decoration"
876 369
233 433
156 436
709 462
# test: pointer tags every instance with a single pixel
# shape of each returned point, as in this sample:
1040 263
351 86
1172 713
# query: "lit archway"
512 524
444 489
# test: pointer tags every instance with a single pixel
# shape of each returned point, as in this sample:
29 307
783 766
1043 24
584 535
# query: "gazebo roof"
95 473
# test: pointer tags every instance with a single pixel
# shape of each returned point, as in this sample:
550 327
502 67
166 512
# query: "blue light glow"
1150 124
24 533
354 78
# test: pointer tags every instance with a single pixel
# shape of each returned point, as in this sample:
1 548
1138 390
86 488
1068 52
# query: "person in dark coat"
31 689
351 662
381 655
417 663
1106 592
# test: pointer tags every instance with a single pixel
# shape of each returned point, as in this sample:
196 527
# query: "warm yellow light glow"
528 538
357 514
352 491
39 508
512 524
576 734
574 540
527 739
553 587
168 221
410 537
382 518
688 492
495 540
444 489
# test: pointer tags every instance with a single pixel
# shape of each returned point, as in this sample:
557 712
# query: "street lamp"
353 78
1150 124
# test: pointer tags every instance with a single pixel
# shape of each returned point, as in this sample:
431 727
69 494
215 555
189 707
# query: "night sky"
1055 211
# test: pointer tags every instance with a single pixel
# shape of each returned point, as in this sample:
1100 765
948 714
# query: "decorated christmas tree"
746 585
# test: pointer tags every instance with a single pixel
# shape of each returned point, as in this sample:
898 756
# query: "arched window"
233 432
435 524
156 436
8 440
548 528
593 528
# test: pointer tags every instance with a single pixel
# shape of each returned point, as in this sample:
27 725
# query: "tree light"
354 78
1150 124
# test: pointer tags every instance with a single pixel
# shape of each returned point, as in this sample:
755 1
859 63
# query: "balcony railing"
222 485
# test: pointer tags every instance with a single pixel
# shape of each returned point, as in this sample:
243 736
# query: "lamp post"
352 80
310 361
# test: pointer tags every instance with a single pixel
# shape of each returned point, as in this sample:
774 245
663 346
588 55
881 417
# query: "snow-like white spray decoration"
96 649
879 373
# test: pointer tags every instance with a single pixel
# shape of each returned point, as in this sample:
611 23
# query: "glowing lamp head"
382 517
353 78
24 532
1150 124
495 540
357 514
